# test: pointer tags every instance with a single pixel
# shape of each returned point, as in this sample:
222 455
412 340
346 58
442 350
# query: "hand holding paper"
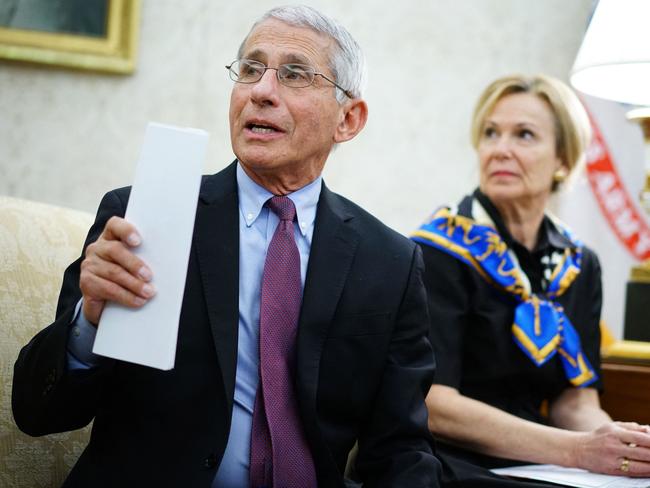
112 272
161 211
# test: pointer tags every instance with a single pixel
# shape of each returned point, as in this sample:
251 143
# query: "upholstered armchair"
37 242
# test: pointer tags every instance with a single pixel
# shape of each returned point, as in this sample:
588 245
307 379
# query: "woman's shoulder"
443 238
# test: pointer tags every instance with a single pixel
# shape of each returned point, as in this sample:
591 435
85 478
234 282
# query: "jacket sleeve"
396 448
46 396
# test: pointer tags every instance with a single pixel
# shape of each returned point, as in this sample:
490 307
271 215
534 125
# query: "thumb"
92 310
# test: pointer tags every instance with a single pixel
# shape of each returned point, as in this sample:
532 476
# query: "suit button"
51 376
210 461
50 379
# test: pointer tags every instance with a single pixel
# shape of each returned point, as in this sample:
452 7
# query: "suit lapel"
332 251
217 243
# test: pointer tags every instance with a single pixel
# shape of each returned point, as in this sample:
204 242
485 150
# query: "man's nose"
265 91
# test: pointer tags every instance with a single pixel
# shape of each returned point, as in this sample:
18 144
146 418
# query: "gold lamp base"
641 272
637 296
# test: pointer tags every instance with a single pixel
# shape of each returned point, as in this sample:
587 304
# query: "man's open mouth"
261 129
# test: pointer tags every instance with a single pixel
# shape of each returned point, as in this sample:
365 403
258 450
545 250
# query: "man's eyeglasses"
293 75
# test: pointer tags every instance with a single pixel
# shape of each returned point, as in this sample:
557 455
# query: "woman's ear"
355 115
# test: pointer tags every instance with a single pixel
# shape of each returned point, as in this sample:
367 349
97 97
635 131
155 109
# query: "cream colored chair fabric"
37 242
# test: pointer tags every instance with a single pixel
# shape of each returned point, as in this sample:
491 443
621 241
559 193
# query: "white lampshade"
614 59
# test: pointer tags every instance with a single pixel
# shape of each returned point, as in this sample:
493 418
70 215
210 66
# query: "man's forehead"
261 54
291 43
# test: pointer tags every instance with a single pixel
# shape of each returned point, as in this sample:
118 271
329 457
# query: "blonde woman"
515 303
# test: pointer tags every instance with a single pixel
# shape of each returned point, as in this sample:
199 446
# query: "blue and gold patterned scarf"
541 328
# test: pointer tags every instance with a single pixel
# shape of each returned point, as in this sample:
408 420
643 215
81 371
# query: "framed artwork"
97 35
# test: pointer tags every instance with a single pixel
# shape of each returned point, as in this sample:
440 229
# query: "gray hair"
347 63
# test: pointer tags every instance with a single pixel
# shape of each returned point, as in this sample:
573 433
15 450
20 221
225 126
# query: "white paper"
572 476
162 206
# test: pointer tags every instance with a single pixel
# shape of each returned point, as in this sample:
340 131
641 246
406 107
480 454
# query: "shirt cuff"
81 338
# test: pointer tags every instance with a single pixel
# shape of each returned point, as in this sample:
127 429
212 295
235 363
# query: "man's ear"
354 117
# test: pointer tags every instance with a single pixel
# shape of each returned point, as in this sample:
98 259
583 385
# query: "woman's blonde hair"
572 127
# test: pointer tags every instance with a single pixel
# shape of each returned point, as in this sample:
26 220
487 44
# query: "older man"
304 324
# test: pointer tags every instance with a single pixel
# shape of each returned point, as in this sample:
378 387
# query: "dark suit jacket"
364 362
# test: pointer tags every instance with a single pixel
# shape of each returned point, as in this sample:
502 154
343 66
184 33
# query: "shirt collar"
252 198
556 237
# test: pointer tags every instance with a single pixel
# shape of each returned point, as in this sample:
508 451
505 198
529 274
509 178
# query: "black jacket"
364 362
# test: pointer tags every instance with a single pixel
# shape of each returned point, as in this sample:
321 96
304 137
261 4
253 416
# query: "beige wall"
69 136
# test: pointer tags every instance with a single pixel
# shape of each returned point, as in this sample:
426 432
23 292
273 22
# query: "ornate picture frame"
113 50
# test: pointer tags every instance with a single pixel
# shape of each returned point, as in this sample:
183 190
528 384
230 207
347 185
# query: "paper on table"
572 476
162 206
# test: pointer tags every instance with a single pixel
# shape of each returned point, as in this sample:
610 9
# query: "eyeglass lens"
248 71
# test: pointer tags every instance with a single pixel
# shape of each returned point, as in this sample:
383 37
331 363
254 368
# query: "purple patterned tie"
280 455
